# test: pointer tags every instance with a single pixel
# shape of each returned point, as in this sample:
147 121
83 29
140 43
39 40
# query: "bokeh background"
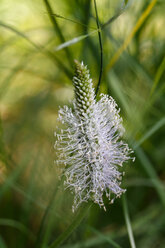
37 49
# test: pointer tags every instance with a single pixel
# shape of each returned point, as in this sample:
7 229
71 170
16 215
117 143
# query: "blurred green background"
37 50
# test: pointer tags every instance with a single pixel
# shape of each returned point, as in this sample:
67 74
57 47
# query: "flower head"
90 144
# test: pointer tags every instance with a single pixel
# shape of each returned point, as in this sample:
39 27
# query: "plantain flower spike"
90 144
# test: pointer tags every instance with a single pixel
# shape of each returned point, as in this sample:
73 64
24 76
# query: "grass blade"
108 240
57 29
131 35
74 21
128 223
39 48
17 225
158 76
19 33
151 173
2 243
151 131
73 41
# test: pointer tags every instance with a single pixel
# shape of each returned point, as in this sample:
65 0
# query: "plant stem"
101 49
76 222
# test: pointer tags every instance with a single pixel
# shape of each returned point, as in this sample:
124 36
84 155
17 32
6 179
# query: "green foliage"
38 44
